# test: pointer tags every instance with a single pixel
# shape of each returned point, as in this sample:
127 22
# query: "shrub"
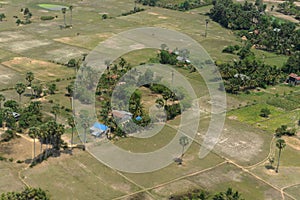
44 18
265 112
105 16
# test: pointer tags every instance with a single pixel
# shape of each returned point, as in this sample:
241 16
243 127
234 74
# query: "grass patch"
251 114
52 6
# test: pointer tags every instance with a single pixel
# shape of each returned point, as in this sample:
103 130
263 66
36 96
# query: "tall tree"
183 141
34 132
71 123
20 88
2 99
85 122
55 110
280 144
64 10
29 77
71 14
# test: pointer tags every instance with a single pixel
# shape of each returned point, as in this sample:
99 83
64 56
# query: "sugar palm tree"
280 144
55 111
34 132
72 125
20 88
29 77
2 99
85 122
64 10
71 14
183 141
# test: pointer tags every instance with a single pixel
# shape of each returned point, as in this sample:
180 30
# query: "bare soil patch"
293 142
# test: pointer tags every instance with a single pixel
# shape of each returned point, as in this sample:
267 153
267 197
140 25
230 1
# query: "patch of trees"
285 130
248 73
289 8
293 64
181 6
135 10
27 193
229 194
231 49
26 15
264 31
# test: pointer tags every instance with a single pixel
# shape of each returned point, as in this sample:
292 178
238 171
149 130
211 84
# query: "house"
98 129
293 79
122 116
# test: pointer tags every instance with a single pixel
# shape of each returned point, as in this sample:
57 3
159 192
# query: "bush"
265 112
44 18
105 16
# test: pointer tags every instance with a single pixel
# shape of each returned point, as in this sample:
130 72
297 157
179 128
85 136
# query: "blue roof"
100 126
138 118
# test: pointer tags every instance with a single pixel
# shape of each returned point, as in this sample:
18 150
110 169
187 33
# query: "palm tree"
55 111
20 88
280 144
72 125
85 122
206 23
71 13
64 10
183 141
34 132
29 77
2 99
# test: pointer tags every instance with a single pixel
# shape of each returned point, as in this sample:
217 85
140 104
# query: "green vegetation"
44 18
229 194
27 193
175 5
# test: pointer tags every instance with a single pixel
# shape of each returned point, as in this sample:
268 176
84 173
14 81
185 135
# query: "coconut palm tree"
280 144
34 132
20 88
2 99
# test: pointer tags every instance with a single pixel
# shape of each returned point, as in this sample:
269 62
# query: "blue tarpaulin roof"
138 118
100 126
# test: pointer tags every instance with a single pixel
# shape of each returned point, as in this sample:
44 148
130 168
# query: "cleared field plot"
219 179
239 142
8 77
191 164
43 71
251 114
9 178
290 119
78 177
294 191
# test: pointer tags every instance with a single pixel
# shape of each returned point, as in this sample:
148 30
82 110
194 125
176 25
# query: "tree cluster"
248 73
181 6
266 32
27 193
229 194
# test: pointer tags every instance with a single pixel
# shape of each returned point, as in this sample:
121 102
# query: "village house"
293 79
